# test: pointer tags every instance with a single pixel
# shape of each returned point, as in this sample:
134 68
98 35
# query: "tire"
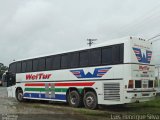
74 99
19 95
90 100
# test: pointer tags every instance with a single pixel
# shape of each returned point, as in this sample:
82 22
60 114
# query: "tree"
3 68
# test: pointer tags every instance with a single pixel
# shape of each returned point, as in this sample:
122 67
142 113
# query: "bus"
115 72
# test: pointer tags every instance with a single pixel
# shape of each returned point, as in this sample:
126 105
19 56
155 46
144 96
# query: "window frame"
82 58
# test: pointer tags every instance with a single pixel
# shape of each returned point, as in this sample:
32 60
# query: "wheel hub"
20 96
73 99
89 100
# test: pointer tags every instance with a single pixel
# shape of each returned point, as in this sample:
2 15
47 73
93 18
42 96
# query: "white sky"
30 28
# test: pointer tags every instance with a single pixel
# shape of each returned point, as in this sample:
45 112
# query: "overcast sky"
30 28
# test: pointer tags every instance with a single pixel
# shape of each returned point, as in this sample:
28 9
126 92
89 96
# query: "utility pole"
91 41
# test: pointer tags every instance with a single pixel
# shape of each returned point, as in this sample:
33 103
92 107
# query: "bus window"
41 64
64 61
35 65
49 63
74 60
12 68
23 66
18 67
84 58
95 57
29 66
118 54
107 55
56 62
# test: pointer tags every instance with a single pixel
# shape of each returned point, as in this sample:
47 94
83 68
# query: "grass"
104 112
154 103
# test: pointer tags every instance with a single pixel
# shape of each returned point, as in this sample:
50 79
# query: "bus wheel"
74 99
19 95
90 100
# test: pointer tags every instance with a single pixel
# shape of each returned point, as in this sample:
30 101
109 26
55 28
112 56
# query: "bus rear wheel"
19 95
90 100
74 99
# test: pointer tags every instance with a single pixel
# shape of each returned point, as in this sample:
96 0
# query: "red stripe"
75 84
76 73
35 84
62 84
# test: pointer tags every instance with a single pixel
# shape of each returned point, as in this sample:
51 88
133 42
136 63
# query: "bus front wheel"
19 95
74 99
90 100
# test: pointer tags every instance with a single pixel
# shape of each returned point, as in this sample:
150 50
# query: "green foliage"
3 68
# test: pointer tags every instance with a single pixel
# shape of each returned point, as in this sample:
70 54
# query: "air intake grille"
112 91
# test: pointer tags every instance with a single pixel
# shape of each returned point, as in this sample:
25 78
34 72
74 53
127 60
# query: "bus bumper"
139 97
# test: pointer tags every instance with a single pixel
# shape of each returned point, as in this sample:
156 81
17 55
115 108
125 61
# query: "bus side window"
41 64
12 68
95 57
84 58
18 67
29 66
121 53
56 62
107 55
74 60
118 54
64 61
23 66
48 63
35 65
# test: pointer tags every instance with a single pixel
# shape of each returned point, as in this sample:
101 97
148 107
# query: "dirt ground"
10 109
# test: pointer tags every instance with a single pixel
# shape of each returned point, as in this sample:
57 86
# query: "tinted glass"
118 54
64 61
138 83
56 62
41 64
150 83
29 66
35 65
121 53
12 68
107 55
95 57
23 66
18 68
84 58
49 63
74 60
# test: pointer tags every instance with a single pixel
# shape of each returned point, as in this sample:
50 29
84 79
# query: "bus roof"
106 43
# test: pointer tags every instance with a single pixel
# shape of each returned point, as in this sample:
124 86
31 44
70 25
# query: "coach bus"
115 72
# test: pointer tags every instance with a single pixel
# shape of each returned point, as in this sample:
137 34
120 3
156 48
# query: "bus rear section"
139 85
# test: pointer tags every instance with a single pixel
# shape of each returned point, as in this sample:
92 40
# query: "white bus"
116 72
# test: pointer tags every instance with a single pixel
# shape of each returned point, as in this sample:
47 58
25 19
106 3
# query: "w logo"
98 73
143 57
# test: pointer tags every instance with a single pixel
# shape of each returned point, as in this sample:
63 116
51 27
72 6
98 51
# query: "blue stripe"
38 95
